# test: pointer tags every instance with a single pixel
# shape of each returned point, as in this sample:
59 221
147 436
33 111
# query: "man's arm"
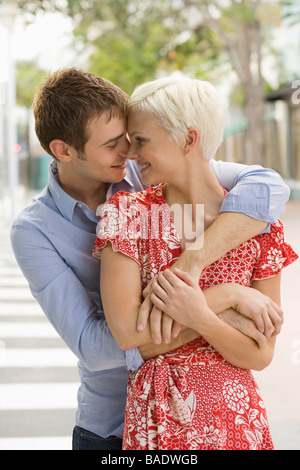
267 190
66 303
256 198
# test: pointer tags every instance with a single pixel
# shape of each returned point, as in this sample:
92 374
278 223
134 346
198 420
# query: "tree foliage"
28 78
131 41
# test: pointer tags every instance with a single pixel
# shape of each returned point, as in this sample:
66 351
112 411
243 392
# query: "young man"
81 121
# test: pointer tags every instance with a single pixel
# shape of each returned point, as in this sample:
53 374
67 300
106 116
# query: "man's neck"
91 195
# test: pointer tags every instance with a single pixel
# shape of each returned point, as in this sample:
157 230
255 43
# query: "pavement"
38 374
280 382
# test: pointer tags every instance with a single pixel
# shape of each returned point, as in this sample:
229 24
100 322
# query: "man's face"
105 154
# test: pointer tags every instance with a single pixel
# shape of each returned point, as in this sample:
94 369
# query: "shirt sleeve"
67 304
253 190
275 253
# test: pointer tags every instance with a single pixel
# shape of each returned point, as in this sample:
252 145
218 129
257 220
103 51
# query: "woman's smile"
143 166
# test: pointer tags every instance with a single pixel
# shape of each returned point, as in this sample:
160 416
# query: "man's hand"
263 311
244 325
148 351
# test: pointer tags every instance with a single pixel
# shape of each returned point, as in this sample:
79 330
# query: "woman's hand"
180 297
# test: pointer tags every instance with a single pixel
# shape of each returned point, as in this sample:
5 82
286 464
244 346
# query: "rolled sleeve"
258 192
133 359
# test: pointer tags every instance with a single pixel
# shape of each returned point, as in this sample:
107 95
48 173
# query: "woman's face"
156 153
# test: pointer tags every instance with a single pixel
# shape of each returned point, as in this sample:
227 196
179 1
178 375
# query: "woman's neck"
197 185
194 202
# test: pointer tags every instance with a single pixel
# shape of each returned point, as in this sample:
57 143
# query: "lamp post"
7 15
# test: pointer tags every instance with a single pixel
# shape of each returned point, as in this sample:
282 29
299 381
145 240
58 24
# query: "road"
38 375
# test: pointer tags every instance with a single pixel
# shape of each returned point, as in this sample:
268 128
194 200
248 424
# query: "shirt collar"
65 203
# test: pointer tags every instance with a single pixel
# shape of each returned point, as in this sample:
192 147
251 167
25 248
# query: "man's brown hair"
67 100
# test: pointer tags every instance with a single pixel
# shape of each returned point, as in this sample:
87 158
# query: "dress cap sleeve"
275 253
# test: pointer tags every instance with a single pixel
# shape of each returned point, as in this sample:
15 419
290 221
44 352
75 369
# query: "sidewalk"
280 382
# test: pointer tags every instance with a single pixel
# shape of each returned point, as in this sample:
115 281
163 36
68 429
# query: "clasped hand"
174 301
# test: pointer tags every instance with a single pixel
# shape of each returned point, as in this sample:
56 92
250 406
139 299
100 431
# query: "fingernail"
140 327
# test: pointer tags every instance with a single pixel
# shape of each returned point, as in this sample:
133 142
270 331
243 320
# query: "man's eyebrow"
112 139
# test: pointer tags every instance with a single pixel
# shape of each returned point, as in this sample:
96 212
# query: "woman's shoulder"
275 252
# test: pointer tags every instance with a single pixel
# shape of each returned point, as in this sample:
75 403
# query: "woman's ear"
61 150
191 139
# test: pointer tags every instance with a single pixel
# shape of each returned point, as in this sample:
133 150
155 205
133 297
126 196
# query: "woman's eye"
139 140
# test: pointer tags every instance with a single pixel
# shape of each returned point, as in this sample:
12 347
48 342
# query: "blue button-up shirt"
53 241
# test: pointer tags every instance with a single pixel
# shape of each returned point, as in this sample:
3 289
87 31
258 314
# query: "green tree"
130 41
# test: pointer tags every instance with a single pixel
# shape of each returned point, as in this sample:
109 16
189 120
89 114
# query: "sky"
48 41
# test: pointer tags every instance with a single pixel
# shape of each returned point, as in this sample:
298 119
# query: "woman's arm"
194 312
121 298
120 286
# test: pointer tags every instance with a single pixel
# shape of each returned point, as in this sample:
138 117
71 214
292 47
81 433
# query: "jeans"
86 440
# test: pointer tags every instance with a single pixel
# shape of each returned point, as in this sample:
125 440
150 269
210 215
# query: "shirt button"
79 205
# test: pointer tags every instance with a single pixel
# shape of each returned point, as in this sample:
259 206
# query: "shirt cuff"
133 359
252 199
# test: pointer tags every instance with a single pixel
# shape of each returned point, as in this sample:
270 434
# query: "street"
38 375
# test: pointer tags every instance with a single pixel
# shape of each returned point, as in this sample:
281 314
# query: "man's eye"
140 140
113 146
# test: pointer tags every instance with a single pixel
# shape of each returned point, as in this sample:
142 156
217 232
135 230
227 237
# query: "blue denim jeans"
86 440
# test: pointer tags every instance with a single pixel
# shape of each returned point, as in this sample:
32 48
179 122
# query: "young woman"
201 395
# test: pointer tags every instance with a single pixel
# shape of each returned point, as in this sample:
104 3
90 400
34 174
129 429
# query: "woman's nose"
132 154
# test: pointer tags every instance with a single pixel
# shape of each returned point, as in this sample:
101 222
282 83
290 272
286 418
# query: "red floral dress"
189 398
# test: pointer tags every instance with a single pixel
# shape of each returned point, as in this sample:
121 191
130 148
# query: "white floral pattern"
190 398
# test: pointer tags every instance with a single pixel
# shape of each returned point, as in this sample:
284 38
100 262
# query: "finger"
185 277
156 324
159 291
167 324
148 288
269 327
164 282
157 301
259 321
177 327
277 321
144 313
260 339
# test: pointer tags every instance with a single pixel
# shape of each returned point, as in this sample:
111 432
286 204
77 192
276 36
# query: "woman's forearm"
234 346
221 297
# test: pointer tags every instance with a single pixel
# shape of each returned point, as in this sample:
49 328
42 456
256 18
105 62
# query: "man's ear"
61 150
191 139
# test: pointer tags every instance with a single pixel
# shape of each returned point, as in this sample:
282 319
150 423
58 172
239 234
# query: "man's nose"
125 148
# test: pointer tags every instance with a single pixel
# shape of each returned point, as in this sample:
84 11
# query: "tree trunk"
255 134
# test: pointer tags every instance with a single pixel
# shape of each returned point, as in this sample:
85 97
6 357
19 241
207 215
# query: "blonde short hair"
180 103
